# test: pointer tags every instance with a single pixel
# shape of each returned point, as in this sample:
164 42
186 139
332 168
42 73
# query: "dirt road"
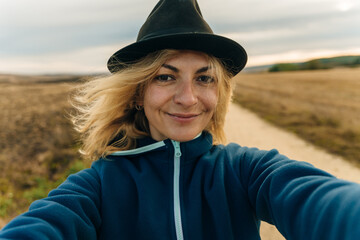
246 129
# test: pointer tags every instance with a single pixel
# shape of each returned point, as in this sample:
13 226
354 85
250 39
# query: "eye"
164 78
205 79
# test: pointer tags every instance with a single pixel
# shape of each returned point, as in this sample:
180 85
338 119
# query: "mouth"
183 117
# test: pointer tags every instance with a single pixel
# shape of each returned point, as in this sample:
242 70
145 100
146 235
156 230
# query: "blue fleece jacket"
193 190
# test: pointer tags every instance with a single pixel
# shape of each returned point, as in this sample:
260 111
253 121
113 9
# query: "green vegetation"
44 185
284 67
14 203
317 64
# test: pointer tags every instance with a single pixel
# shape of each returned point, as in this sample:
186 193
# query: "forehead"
189 58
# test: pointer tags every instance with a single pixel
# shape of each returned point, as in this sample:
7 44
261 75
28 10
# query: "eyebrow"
174 69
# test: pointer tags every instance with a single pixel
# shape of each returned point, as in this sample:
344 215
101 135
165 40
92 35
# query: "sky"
78 36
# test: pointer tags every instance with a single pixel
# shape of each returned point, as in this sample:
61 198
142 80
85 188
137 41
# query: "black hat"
178 24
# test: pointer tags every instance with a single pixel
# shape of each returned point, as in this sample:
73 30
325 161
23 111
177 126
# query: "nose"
186 94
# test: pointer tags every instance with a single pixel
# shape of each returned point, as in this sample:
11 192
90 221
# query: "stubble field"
37 142
320 106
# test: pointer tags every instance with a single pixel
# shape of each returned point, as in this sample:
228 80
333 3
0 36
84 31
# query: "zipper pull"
177 148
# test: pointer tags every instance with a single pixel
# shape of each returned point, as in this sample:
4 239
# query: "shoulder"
255 162
245 160
235 152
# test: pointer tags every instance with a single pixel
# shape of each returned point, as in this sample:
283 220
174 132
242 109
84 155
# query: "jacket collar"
191 149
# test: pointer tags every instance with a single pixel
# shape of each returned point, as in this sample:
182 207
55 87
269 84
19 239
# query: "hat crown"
174 17
179 24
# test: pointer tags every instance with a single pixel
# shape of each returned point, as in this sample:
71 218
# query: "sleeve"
69 212
302 201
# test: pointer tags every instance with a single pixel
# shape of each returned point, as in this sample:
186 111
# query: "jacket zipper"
177 209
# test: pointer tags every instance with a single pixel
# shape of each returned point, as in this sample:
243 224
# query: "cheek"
155 97
211 99
149 96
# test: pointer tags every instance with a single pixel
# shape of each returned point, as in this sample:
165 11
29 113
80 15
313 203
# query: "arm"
302 201
69 212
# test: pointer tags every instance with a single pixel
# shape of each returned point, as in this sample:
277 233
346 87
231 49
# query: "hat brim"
232 54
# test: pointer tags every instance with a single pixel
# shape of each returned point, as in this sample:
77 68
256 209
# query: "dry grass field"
37 142
320 106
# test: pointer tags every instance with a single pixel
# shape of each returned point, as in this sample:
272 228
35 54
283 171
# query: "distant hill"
319 63
341 61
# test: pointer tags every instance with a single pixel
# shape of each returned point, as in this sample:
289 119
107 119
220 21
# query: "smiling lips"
183 117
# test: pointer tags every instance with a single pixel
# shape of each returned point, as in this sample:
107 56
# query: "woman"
156 126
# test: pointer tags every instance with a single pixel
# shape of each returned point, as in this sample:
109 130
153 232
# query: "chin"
184 138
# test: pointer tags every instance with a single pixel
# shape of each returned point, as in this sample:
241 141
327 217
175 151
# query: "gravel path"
246 129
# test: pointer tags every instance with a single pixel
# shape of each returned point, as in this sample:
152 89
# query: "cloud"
67 34
86 60
299 56
37 27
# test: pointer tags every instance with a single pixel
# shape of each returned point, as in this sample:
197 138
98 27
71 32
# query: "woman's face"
181 99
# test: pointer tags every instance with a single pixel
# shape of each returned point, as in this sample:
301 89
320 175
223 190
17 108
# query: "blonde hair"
107 118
